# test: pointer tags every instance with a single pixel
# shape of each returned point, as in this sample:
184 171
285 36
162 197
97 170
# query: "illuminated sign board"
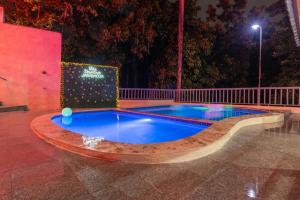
92 72
89 86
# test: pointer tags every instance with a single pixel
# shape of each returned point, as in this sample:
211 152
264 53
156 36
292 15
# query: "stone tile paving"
255 164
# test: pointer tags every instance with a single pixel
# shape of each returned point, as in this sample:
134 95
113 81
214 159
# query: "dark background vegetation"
140 37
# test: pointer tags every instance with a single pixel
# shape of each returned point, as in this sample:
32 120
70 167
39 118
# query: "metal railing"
284 96
151 94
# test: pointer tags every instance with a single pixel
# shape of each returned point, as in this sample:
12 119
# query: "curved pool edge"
218 144
200 145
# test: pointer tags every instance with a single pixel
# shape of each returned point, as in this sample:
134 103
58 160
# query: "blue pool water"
126 127
211 112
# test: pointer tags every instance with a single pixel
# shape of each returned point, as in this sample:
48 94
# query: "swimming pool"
131 128
210 112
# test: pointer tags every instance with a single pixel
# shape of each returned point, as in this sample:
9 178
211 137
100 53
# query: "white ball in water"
66 112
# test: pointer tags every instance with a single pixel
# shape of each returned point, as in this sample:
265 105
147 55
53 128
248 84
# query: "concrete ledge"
13 108
218 144
144 103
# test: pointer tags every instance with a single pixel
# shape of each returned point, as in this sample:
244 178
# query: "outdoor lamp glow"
255 26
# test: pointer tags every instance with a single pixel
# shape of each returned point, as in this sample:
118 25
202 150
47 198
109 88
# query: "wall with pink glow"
1 14
29 67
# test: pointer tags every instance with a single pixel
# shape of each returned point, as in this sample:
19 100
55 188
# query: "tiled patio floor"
255 164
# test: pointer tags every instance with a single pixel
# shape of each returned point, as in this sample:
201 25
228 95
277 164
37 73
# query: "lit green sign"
92 72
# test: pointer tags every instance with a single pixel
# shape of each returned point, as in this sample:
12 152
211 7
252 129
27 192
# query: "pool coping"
199 145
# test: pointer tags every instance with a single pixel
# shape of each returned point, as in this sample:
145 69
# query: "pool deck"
197 146
259 161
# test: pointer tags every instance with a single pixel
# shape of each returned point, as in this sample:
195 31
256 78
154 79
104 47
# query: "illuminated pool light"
252 190
251 193
145 120
201 108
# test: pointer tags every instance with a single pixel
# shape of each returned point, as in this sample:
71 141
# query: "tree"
140 37
230 53
284 50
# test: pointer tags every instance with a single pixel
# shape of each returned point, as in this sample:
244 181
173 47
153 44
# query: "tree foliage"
140 37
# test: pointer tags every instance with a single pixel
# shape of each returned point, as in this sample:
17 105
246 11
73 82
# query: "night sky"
251 3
